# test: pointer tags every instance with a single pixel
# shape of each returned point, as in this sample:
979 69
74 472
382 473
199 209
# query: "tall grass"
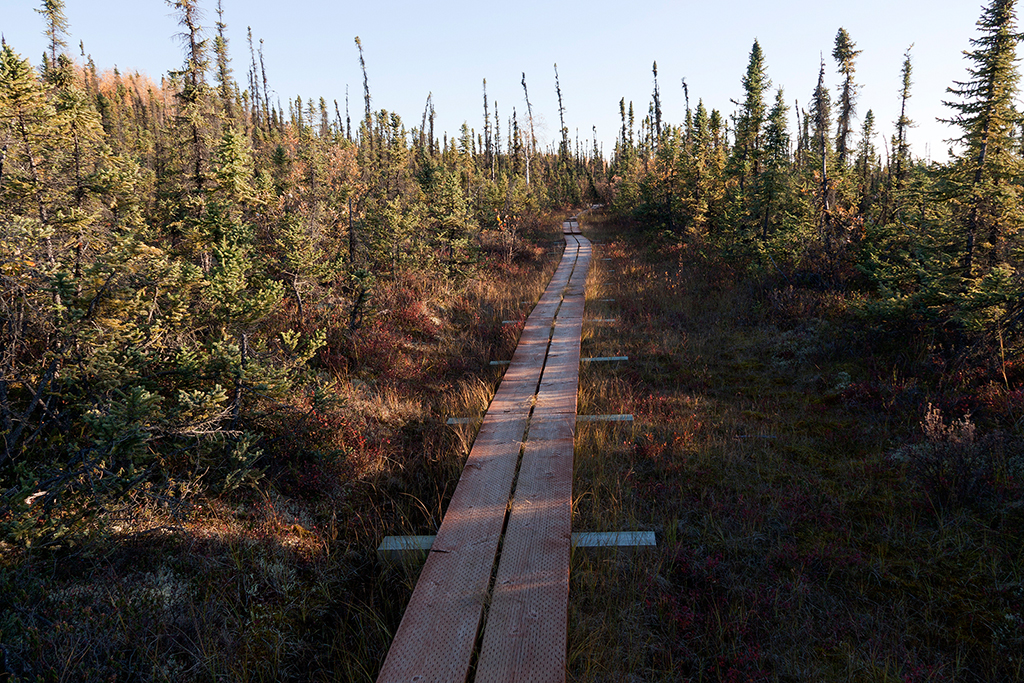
799 536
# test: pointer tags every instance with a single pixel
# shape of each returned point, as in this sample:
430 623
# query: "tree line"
799 195
174 255
177 256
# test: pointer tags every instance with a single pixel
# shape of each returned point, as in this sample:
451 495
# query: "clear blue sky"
604 51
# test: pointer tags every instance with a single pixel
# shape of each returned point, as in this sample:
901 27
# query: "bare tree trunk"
351 234
972 221
236 409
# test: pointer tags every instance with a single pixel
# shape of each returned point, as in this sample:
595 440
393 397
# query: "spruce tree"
623 148
701 172
772 182
981 179
220 50
563 146
845 53
531 143
900 146
367 120
56 27
866 156
821 121
26 126
488 140
656 97
821 114
750 119
192 113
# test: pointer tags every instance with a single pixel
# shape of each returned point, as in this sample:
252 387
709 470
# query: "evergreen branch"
11 441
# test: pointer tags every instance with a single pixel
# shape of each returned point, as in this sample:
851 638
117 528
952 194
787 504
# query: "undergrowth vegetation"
827 506
277 578
231 335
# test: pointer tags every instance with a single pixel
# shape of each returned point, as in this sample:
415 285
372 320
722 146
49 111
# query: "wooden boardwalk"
532 414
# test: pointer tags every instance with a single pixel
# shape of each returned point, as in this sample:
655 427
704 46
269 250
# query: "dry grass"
280 581
793 546
816 521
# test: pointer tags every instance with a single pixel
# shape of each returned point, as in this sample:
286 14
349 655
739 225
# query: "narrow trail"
525 442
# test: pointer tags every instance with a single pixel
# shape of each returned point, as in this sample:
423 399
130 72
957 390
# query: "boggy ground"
826 509
279 580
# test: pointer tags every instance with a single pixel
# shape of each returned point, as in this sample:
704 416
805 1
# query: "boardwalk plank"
525 638
437 634
436 637
526 635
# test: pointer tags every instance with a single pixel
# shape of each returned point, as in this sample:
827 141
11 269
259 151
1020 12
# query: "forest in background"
176 256
171 248
934 248
210 299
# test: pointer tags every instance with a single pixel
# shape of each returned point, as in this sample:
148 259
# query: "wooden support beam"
415 548
604 359
604 418
613 540
405 548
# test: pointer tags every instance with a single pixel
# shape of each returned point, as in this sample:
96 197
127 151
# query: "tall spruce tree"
981 179
772 181
192 113
531 143
751 116
821 122
56 27
367 118
866 155
821 115
563 147
489 155
26 124
900 147
656 102
220 50
845 53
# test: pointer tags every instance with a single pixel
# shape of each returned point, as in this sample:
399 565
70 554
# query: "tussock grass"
813 523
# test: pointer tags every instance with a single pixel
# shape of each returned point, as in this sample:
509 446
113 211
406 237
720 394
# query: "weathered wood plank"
526 634
436 637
